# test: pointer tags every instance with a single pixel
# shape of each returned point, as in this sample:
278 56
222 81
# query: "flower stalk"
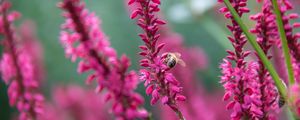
160 83
18 68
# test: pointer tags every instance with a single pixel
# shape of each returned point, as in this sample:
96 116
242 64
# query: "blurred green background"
199 27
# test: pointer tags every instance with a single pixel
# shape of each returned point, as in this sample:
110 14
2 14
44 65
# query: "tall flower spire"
161 84
82 38
239 77
18 69
76 103
267 34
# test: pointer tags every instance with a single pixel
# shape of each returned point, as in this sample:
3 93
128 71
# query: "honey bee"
281 101
172 59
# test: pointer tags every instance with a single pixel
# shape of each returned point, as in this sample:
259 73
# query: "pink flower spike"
89 106
21 66
83 38
248 83
156 73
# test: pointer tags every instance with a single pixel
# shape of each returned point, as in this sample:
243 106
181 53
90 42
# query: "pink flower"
242 86
19 69
239 77
31 43
294 97
197 105
267 34
156 73
75 102
84 39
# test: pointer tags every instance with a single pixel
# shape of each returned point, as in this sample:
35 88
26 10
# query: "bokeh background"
198 21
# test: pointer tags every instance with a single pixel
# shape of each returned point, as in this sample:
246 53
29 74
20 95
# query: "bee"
172 59
281 101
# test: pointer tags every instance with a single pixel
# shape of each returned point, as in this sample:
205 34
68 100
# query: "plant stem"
290 114
280 86
284 42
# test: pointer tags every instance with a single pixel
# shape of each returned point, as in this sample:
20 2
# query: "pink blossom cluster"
267 36
294 97
167 64
264 99
83 38
239 77
241 85
161 84
74 102
197 105
32 45
19 69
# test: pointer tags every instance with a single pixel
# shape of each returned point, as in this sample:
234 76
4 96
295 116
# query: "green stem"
261 54
284 42
290 114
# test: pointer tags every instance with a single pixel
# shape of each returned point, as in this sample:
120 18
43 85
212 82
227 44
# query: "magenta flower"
239 77
267 34
161 84
84 39
241 85
75 102
18 69
196 106
294 97
31 43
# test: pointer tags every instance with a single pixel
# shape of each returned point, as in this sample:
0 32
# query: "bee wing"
181 62
178 55
283 83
